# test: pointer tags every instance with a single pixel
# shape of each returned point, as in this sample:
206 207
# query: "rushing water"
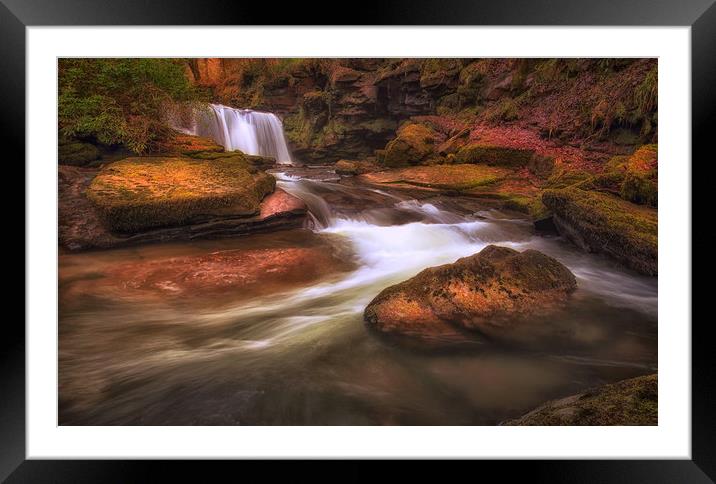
253 132
305 357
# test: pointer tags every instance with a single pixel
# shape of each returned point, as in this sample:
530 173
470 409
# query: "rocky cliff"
352 108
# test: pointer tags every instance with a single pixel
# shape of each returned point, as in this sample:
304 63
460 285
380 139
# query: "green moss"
76 153
640 183
506 109
471 80
531 206
414 144
436 72
628 402
607 182
640 189
378 125
605 223
645 95
564 177
494 155
137 194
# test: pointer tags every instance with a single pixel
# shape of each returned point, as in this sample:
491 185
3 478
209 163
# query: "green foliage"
507 109
645 95
121 101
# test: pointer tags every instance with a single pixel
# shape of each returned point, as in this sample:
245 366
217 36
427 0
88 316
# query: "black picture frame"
16 15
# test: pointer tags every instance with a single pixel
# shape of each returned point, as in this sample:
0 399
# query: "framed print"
438 233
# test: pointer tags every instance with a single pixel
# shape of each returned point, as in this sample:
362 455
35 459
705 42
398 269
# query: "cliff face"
348 108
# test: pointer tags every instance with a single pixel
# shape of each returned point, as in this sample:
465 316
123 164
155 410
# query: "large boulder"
142 193
604 223
414 144
489 293
628 402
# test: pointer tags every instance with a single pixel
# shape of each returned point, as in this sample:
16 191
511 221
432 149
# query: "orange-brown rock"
82 227
230 271
489 293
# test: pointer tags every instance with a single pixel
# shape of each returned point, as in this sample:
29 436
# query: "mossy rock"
439 73
452 178
492 292
351 167
76 153
494 155
142 193
628 402
641 181
564 177
251 162
414 144
599 222
610 182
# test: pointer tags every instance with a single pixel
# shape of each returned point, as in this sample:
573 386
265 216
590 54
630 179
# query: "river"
304 357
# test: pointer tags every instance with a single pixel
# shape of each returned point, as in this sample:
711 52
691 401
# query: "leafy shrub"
121 101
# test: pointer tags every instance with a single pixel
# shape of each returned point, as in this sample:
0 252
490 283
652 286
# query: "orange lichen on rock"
489 292
137 194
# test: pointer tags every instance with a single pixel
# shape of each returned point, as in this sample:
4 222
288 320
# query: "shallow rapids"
302 355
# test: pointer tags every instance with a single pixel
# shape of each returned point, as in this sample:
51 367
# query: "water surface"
304 357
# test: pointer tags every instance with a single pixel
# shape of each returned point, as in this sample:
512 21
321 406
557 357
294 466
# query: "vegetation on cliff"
121 101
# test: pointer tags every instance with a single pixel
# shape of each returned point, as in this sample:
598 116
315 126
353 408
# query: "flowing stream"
304 357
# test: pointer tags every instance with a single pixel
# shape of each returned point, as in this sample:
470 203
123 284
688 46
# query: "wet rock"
488 294
628 402
231 273
603 223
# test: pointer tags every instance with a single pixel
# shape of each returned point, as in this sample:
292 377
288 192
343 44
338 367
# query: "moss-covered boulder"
141 193
76 153
641 179
599 222
478 152
453 178
628 402
488 293
566 177
414 144
353 167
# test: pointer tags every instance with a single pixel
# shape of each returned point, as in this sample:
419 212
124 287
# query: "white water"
253 132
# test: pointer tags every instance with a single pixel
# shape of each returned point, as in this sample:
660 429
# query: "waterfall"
253 132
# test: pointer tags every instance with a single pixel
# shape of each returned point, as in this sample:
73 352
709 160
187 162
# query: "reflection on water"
301 354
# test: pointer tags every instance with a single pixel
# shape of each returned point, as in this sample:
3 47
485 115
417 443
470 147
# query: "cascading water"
253 132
